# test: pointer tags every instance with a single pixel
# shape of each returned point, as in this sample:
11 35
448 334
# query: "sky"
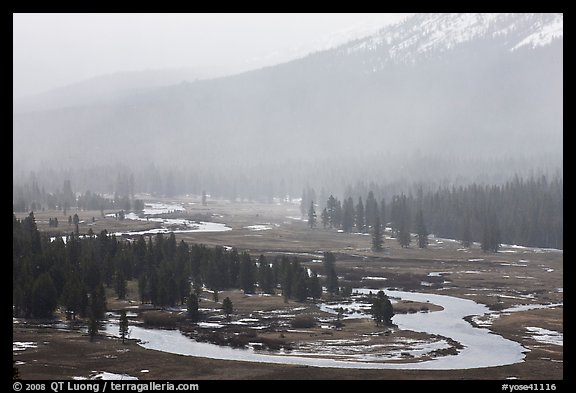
54 50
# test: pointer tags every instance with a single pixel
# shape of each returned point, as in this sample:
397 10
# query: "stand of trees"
73 274
30 197
526 212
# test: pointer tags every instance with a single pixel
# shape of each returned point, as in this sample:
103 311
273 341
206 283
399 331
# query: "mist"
359 112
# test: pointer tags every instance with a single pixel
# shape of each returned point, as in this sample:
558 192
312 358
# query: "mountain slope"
441 84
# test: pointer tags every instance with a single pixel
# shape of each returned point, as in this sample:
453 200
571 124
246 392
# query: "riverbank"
59 360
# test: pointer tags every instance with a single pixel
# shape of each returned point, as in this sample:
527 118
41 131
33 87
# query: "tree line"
30 197
526 212
74 273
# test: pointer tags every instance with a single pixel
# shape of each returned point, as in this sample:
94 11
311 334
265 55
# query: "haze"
53 50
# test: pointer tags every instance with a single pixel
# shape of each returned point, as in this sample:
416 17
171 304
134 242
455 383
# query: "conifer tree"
421 230
123 326
311 215
192 305
227 307
325 218
359 216
377 239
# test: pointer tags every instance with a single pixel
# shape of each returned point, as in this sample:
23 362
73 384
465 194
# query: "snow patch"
546 336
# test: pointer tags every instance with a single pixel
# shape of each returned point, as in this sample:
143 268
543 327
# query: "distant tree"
466 234
98 302
490 234
330 272
69 220
300 289
265 275
121 285
247 274
338 215
138 205
227 307
421 230
92 327
76 221
215 295
348 215
382 210
359 216
382 310
121 215
44 296
314 286
143 288
404 236
371 210
204 199
308 195
331 206
377 239
312 215
123 326
346 291
325 218
192 304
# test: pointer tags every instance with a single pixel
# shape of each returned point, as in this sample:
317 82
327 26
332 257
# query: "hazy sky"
52 50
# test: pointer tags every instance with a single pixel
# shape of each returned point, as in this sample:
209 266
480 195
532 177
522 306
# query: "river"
482 348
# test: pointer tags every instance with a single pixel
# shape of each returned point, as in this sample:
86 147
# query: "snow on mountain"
423 34
358 30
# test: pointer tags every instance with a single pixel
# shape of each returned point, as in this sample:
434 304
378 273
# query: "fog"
436 98
54 50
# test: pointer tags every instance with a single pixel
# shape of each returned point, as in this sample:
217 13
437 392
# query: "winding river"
482 347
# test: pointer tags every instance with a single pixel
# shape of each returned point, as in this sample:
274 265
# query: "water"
482 347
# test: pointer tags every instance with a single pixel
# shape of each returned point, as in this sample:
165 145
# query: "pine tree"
348 215
359 216
331 210
121 285
325 218
76 221
314 286
371 210
404 236
44 296
466 235
227 307
92 327
377 239
311 215
421 230
247 273
123 326
330 272
382 310
204 201
382 211
265 276
192 304
300 290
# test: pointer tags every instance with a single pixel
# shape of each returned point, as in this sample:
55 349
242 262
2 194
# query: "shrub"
303 321
159 318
